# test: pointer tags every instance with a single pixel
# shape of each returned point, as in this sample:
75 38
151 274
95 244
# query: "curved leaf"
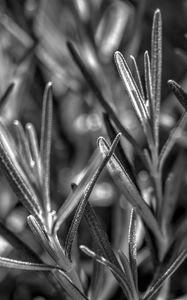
158 282
179 92
130 191
116 272
82 204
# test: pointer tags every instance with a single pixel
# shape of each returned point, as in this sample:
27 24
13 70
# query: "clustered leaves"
27 167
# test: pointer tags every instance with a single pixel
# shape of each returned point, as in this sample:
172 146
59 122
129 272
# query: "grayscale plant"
26 163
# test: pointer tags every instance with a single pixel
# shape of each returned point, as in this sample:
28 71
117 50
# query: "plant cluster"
26 163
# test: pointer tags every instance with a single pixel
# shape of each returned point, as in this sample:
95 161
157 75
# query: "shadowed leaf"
120 153
74 197
99 235
137 76
127 271
82 204
179 92
130 191
97 280
6 94
41 236
158 282
174 134
116 272
172 190
149 89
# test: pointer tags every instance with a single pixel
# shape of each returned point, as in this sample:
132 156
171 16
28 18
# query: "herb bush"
81 220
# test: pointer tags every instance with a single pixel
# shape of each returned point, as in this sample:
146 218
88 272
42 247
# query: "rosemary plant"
26 163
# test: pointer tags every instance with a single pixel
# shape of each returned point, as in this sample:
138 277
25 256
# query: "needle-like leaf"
172 190
116 272
6 94
156 69
119 150
33 142
45 145
99 235
158 282
70 288
41 236
82 204
97 280
23 265
132 246
127 271
179 93
65 281
174 134
17 178
149 89
138 77
24 250
18 244
130 191
132 90
23 144
74 197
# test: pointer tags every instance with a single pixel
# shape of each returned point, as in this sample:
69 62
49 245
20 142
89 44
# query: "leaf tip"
118 56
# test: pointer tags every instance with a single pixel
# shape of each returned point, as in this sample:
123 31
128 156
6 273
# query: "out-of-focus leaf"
18 244
45 150
6 94
82 204
89 78
111 28
17 178
179 92
116 272
166 273
174 134
130 191
33 143
172 190
156 69
82 7
132 246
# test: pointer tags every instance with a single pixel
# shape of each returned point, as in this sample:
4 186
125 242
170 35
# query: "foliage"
26 162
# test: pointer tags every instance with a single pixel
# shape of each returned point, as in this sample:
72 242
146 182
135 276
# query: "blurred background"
33 51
